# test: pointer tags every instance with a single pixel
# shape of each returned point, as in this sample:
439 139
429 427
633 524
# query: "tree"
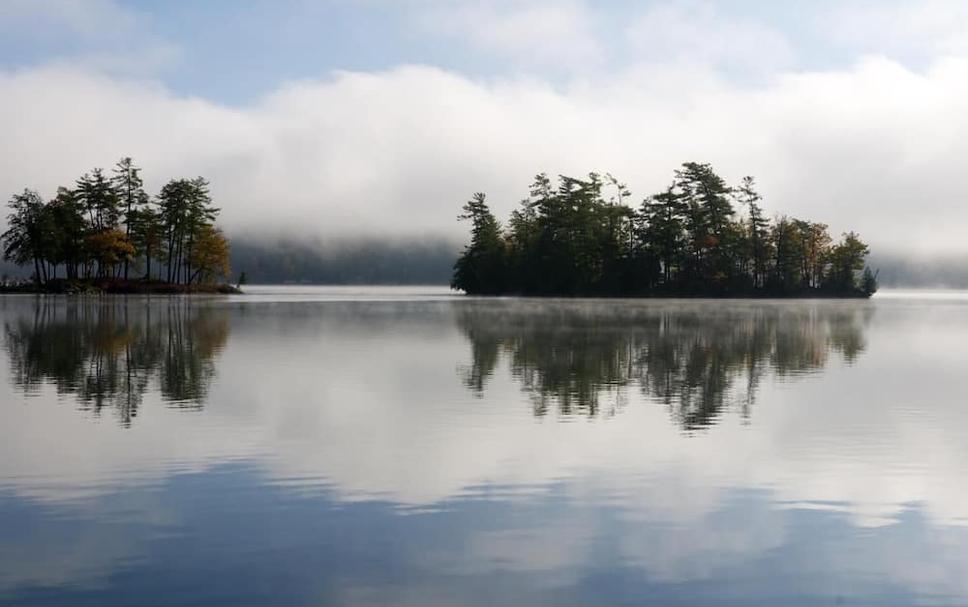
481 267
522 240
109 248
709 213
788 253
147 235
209 256
129 188
846 260
100 200
662 230
70 231
81 229
816 243
23 239
758 232
567 238
186 208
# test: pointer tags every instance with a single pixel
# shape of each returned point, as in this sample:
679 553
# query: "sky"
337 118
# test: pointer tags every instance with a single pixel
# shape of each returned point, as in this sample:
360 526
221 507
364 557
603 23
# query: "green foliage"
103 226
482 266
24 240
570 239
846 260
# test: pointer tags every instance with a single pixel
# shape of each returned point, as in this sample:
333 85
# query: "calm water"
406 447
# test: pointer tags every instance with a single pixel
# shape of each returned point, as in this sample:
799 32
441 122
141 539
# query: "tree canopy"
579 237
104 226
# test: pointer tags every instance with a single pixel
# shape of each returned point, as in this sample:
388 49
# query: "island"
580 237
107 235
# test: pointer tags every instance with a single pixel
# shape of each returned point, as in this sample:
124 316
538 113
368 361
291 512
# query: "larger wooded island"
579 238
107 235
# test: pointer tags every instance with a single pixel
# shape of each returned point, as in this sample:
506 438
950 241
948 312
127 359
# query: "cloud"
876 148
918 32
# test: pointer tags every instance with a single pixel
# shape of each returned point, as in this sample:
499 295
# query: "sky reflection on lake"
313 446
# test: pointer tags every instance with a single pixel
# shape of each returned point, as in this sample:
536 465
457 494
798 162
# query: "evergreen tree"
846 260
70 229
481 268
81 229
662 231
568 239
709 214
100 200
23 239
130 190
147 235
758 231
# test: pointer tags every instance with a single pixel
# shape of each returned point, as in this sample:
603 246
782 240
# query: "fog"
851 116
877 149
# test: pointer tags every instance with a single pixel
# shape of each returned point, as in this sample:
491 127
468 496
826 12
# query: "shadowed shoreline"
119 287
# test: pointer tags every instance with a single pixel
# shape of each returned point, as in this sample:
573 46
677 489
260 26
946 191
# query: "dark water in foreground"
376 447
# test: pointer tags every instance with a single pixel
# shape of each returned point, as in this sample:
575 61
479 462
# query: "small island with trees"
579 237
107 235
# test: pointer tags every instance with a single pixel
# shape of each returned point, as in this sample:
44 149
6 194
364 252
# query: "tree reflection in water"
110 353
698 358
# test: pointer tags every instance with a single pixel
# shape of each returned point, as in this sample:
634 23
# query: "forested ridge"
107 228
699 237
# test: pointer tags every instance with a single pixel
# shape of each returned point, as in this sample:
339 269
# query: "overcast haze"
335 118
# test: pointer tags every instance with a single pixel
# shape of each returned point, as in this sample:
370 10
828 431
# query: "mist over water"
406 446
418 446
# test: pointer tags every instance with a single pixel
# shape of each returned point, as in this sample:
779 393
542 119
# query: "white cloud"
876 148
912 31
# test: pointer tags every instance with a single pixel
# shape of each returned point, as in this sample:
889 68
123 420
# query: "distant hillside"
898 270
431 262
364 262
305 261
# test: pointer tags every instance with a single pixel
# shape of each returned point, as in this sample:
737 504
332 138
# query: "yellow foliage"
210 255
110 247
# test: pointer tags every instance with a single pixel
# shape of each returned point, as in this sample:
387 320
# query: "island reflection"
580 358
109 354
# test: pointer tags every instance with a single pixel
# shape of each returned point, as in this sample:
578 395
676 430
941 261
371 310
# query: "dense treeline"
108 227
580 237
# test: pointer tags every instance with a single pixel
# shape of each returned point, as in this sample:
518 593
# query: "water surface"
308 446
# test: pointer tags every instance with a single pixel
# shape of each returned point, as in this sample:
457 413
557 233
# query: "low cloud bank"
877 148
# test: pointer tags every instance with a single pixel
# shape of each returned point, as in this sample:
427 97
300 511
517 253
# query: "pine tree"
481 268
130 191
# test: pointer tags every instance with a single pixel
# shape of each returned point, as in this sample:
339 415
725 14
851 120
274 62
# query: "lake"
405 446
